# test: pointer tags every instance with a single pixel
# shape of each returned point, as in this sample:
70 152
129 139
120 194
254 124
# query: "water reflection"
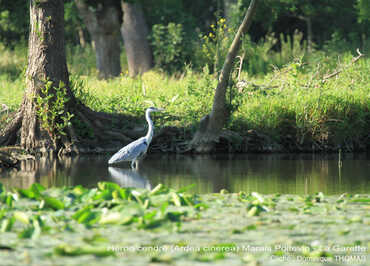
281 173
51 171
128 178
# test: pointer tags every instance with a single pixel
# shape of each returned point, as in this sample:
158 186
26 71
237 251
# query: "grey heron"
136 150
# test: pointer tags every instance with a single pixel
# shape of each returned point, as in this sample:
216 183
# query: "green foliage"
13 62
50 106
14 21
261 57
363 9
300 104
73 25
290 99
108 204
168 46
256 203
146 225
215 45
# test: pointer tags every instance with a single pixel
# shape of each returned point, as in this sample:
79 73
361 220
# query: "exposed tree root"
7 161
204 140
105 137
9 134
226 141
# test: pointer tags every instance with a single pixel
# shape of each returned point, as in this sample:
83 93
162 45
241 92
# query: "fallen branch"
354 60
241 58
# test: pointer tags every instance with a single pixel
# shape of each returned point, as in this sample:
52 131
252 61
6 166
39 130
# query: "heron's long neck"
149 135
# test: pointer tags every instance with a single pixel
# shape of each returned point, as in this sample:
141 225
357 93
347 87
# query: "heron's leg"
137 165
133 164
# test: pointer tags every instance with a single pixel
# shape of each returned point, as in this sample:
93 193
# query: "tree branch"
354 60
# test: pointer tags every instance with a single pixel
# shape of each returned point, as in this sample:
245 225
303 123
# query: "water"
291 174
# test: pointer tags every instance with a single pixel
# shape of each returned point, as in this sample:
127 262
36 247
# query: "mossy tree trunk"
103 22
40 124
211 125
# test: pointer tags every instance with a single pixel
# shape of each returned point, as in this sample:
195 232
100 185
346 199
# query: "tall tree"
49 104
103 21
135 36
211 125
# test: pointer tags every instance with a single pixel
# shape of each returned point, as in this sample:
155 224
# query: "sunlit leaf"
164 207
111 218
176 199
27 232
79 190
361 200
26 193
9 200
159 189
108 186
7 224
53 203
104 195
22 217
86 216
37 189
184 189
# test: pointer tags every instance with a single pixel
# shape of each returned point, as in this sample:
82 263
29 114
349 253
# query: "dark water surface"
279 173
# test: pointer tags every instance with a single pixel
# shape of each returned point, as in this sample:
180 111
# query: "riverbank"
300 107
109 225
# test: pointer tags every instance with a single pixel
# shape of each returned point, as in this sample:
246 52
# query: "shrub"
168 46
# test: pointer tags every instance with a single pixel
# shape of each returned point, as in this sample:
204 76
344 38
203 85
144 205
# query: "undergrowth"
291 100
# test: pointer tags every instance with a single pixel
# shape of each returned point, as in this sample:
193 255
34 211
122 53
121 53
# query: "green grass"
107 225
186 98
290 101
300 104
12 67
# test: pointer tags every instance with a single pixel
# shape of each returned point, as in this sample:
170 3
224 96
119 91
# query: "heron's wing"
130 152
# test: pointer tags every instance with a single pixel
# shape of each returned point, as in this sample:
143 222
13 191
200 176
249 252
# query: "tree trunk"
46 62
309 31
103 24
309 34
81 37
135 36
211 125
44 117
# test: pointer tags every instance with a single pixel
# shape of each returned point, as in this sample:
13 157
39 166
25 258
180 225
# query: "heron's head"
154 109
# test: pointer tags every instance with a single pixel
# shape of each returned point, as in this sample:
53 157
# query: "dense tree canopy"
348 18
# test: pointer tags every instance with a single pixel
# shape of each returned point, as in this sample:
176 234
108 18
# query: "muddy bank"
174 140
11 157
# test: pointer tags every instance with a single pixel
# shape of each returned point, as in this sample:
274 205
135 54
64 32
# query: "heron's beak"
160 109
